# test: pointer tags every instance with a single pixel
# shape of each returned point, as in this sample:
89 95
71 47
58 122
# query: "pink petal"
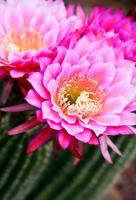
132 129
104 148
70 10
95 127
113 146
52 88
103 72
16 73
69 119
72 129
94 140
121 88
84 42
64 139
51 72
40 139
125 64
36 80
48 113
51 37
54 125
40 116
127 118
38 19
24 127
44 62
84 136
123 74
76 69
119 130
81 13
115 104
17 108
71 57
64 73
131 107
33 98
102 50
107 119
49 24
13 20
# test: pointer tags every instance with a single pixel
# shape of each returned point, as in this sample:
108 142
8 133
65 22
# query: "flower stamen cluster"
30 39
80 95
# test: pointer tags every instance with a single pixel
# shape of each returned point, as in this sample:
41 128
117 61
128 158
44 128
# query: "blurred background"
124 187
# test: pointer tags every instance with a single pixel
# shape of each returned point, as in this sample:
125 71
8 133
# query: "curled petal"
24 127
113 146
104 148
17 108
40 139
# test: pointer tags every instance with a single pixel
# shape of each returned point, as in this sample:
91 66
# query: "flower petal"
127 118
84 136
115 104
104 148
72 129
53 125
51 72
36 80
103 72
107 119
17 108
24 127
40 139
33 98
64 139
48 113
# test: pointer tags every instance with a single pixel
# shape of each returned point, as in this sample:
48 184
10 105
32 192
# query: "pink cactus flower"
86 94
29 30
115 26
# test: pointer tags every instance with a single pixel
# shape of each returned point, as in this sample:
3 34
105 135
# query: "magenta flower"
119 30
85 95
29 30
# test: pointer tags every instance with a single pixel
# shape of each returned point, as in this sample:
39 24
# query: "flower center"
80 95
29 39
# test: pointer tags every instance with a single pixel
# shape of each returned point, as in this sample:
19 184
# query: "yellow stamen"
81 95
30 39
